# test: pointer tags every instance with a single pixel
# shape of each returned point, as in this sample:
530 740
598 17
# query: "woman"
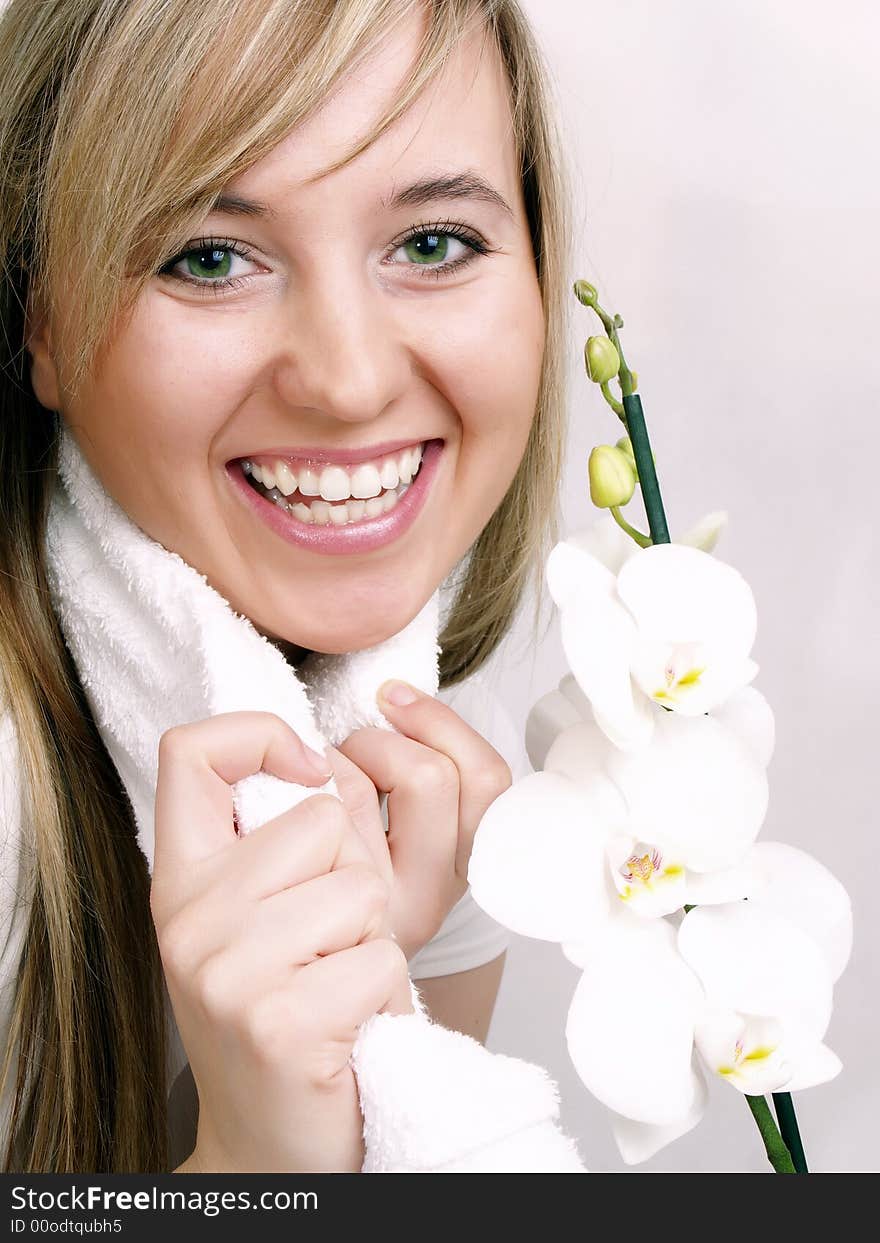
260 257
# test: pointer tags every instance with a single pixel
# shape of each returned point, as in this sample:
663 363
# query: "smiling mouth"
332 494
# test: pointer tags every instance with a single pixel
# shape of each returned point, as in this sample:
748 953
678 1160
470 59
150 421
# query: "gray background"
728 203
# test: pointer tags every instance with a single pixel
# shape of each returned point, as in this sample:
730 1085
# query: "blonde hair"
118 130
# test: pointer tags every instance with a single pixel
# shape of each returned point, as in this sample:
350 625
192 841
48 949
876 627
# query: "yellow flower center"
690 677
641 867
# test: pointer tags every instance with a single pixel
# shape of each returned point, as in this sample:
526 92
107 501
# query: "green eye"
427 247
208 263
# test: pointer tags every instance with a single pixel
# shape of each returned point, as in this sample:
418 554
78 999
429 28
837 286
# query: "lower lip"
352 537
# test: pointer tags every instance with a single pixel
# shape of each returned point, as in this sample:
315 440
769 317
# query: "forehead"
462 121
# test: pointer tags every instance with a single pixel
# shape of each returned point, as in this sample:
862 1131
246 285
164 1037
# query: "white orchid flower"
579 854
668 625
767 967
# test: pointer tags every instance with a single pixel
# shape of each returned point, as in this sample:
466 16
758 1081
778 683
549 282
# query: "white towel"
156 646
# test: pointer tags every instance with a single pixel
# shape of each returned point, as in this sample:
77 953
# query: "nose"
343 356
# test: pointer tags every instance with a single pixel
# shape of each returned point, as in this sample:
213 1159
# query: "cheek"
149 416
489 368
162 394
179 374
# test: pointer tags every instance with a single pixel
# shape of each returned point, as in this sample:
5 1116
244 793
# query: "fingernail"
397 693
319 762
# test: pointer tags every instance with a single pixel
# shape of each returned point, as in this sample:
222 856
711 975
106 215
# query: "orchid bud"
635 380
585 293
625 446
602 359
612 477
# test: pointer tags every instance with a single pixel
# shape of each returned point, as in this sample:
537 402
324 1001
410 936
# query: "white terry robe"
156 646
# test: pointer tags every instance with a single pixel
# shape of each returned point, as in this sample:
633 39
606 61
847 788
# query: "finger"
423 797
292 928
346 988
484 773
361 800
199 762
311 839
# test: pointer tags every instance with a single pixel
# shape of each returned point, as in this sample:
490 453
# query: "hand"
440 776
275 947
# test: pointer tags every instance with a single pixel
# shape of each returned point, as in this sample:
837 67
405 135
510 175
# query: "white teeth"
388 475
365 481
406 466
370 490
285 479
308 482
335 483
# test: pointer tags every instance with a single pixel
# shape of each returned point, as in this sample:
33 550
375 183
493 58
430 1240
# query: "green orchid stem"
788 1125
644 541
777 1153
638 434
613 402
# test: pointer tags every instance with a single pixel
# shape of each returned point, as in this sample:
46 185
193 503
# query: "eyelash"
447 228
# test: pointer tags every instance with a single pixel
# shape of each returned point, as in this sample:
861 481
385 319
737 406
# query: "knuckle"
172 740
437 774
178 945
372 892
210 988
327 809
494 778
389 961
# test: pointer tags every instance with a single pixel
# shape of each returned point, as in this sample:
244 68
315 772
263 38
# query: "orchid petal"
571 570
748 715
631 1022
727 885
580 753
598 636
691 677
748 1052
638 1141
607 542
696 786
538 860
801 889
683 595
548 718
813 1065
568 686
576 952
758 963
704 533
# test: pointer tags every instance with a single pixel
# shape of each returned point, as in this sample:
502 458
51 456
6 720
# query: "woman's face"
364 322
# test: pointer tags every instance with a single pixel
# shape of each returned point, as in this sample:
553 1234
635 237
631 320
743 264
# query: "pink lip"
341 457
354 537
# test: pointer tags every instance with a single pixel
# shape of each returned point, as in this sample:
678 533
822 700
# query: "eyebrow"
418 194
450 186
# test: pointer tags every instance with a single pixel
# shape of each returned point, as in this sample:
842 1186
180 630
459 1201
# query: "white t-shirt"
467 938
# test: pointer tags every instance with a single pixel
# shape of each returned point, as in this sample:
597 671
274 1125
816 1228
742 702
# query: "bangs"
171 102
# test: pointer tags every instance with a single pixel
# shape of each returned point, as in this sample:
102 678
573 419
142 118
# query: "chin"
355 632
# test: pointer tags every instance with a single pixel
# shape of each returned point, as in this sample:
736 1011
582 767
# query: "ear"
44 373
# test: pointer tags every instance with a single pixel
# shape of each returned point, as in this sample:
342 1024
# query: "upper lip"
339 456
